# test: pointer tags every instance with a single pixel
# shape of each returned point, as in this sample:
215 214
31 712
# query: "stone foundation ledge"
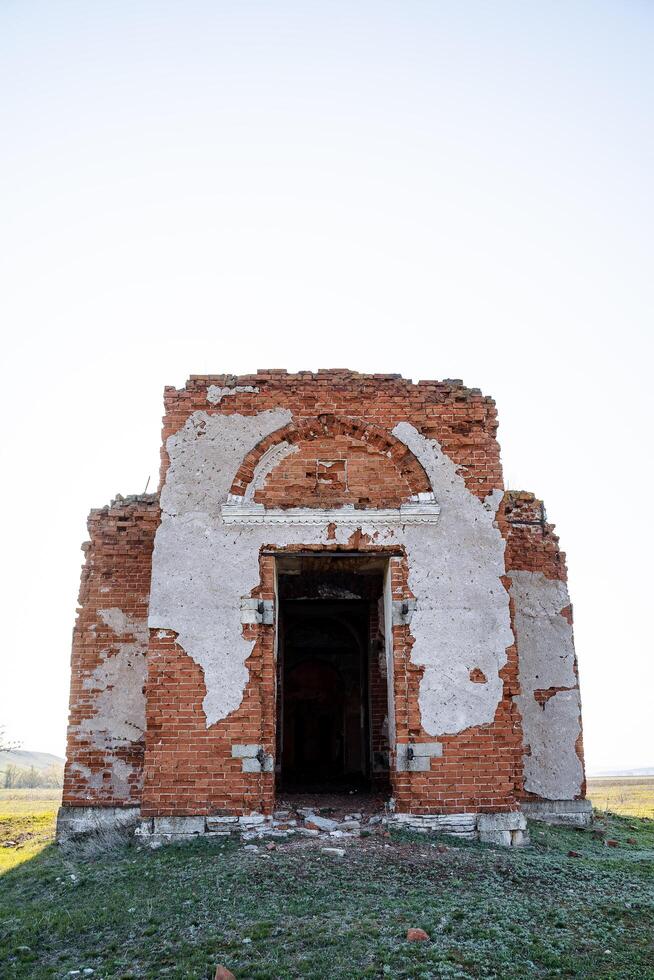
76 821
505 829
572 813
283 824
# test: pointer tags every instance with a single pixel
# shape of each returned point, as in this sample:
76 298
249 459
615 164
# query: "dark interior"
331 694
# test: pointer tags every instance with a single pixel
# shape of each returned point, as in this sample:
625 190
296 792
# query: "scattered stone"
271 847
251 847
320 823
574 854
417 936
9 843
154 844
222 973
442 848
375 819
336 851
631 840
612 843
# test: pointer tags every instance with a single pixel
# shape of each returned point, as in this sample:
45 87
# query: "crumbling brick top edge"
525 495
134 500
280 375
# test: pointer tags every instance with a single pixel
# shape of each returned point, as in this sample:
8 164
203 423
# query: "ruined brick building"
331 589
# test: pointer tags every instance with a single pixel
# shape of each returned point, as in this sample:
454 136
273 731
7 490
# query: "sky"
439 189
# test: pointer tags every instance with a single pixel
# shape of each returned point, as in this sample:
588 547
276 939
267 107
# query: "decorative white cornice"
241 511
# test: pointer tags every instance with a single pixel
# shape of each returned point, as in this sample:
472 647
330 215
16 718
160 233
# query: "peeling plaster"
462 616
119 679
215 394
203 567
546 655
120 772
119 701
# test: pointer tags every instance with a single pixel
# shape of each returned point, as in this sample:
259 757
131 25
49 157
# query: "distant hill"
42 761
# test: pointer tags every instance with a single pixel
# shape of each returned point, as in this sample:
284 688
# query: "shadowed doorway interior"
332 704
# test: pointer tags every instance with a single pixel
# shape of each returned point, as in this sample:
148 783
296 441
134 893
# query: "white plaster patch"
461 620
200 570
215 394
118 701
119 679
202 567
118 786
546 657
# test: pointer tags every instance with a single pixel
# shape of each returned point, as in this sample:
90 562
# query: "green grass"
178 911
27 817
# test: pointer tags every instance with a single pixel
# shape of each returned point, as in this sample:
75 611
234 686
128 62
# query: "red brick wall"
477 769
531 544
189 768
336 415
462 419
116 575
328 472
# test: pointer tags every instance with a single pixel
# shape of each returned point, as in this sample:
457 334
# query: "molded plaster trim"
236 513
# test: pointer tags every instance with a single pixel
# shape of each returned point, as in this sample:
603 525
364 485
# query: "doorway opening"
332 690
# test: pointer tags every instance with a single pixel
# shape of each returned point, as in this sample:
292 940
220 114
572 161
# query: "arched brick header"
315 428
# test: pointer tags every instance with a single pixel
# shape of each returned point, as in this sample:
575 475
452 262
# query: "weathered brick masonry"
106 732
471 679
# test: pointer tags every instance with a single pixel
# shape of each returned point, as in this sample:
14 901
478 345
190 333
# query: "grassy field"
631 795
296 912
27 817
